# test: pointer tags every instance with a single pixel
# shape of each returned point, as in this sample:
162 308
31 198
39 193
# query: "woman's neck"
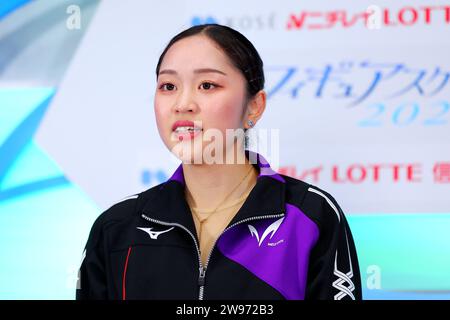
209 184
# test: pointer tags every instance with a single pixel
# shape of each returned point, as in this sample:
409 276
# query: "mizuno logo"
270 229
154 234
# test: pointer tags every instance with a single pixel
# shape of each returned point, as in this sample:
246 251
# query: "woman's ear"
256 107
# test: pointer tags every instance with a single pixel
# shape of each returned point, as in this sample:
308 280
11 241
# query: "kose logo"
245 22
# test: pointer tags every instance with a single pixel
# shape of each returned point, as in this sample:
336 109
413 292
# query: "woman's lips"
183 135
186 123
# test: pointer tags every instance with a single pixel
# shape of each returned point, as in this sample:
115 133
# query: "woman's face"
198 83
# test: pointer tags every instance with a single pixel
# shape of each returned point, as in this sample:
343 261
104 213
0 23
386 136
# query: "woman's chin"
187 153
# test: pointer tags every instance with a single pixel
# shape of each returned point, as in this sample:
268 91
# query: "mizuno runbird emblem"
270 229
154 234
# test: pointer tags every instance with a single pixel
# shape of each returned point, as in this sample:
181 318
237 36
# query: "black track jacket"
289 240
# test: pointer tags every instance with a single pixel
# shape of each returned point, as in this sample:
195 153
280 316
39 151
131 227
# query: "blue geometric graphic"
18 142
8 6
44 218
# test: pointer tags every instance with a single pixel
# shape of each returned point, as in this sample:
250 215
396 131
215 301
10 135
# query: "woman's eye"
171 87
167 87
207 85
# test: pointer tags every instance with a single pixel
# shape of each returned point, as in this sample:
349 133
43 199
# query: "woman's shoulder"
126 207
316 203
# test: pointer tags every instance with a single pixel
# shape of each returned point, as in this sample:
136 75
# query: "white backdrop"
365 108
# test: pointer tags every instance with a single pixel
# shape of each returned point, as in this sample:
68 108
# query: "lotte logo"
358 173
363 173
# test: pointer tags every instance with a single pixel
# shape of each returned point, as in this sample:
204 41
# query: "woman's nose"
186 103
184 108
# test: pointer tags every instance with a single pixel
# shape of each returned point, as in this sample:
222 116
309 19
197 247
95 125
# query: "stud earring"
250 123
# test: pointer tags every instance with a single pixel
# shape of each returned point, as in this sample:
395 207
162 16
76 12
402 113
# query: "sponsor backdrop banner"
358 104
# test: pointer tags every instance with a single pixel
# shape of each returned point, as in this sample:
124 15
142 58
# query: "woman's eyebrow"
202 70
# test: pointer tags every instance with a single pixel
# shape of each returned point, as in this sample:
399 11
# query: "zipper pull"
201 277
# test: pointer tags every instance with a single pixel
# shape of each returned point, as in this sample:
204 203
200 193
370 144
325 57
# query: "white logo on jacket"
270 229
154 234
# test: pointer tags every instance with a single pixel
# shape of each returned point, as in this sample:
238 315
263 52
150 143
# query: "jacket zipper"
201 279
202 269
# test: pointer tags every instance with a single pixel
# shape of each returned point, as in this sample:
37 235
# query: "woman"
219 228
